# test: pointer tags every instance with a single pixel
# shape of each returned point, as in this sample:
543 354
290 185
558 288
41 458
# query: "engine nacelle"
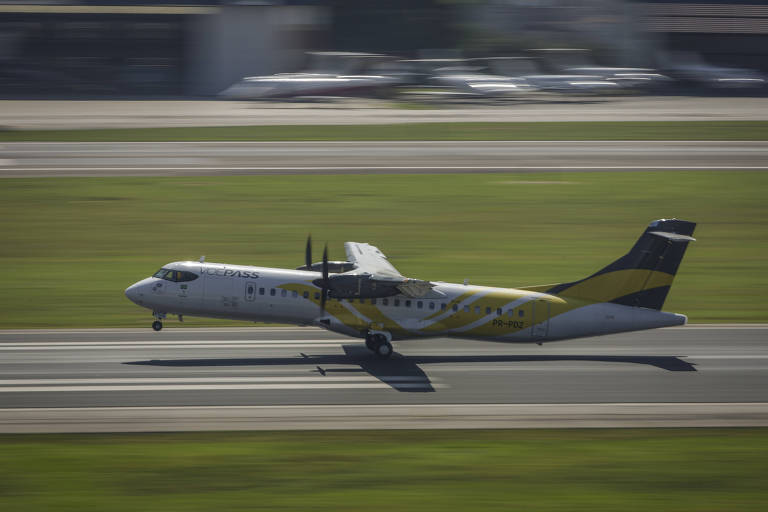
359 286
334 267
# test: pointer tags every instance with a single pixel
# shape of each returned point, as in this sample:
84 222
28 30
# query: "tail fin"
642 277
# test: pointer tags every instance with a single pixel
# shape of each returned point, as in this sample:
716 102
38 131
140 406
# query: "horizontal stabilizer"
675 237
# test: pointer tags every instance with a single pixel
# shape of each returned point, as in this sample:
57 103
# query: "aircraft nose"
133 293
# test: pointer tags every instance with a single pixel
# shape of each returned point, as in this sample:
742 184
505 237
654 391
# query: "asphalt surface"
37 159
54 114
192 379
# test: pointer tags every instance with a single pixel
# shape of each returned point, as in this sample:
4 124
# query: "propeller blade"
308 253
325 266
323 294
324 290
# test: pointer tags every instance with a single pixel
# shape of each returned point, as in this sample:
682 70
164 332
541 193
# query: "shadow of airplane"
403 373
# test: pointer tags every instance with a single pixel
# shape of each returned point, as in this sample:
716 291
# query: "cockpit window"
184 276
177 276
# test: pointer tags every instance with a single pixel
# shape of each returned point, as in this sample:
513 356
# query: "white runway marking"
418 416
139 345
382 142
145 330
174 344
169 380
216 387
367 168
319 382
132 343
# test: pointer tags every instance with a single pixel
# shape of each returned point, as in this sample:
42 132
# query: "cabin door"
540 327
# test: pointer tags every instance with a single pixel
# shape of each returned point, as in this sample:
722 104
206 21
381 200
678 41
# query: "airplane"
366 297
329 74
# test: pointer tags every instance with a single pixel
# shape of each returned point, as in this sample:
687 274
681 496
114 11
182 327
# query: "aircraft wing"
369 259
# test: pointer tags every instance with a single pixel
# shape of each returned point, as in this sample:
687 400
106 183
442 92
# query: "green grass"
635 130
542 470
72 245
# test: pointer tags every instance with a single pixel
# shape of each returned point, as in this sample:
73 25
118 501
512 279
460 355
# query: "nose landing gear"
379 344
157 324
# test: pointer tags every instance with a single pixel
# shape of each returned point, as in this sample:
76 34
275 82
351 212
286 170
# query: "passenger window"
511 313
487 311
294 294
498 311
431 305
407 303
419 304
477 310
306 295
396 303
283 293
373 301
261 291
455 307
385 302
443 306
317 295
466 309
521 313
272 292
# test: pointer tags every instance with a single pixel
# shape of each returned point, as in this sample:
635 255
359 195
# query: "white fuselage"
466 311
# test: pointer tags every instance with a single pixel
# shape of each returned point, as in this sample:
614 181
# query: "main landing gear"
379 344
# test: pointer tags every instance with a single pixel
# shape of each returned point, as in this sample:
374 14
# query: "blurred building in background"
198 48
726 33
101 47
625 32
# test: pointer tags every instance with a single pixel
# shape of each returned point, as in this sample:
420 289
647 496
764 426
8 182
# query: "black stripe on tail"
660 248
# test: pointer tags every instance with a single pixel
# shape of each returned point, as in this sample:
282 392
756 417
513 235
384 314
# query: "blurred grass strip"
663 470
72 245
630 130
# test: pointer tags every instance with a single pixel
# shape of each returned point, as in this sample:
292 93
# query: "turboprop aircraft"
367 297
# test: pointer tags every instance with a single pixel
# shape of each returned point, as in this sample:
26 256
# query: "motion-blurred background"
263 49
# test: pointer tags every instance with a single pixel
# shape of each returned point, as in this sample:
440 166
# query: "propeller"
325 283
308 253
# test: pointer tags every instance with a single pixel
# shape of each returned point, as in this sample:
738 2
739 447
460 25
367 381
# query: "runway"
39 159
272 378
68 115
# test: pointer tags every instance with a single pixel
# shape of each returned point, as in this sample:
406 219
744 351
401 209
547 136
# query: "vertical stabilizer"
643 276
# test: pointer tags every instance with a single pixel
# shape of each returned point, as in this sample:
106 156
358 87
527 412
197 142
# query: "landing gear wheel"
157 325
384 350
370 343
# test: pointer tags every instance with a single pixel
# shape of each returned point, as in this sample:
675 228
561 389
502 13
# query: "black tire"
384 350
370 344
157 325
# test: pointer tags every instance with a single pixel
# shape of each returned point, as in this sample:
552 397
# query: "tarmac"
305 378
60 159
95 114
